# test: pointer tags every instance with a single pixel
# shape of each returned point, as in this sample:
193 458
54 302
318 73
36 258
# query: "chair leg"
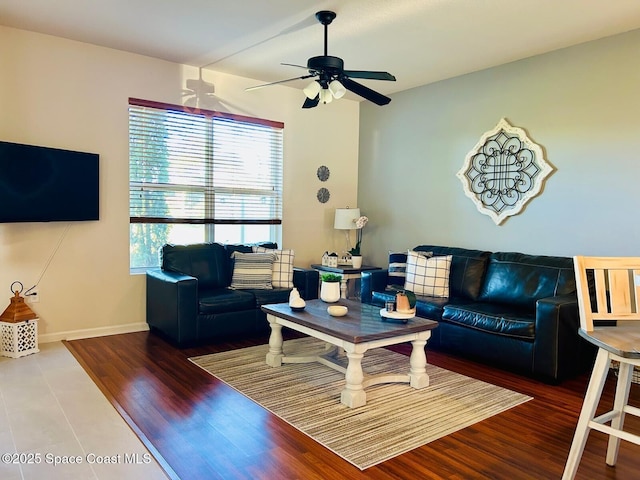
625 374
591 400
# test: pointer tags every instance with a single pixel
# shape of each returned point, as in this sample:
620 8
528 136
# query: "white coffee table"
360 330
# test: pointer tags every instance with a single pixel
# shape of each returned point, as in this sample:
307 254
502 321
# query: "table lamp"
346 220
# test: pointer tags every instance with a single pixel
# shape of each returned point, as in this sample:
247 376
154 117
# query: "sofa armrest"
172 304
559 351
372 281
307 281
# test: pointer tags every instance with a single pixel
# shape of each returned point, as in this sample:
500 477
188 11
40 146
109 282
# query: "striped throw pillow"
252 270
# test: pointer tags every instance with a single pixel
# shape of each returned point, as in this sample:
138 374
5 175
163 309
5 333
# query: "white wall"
581 104
64 94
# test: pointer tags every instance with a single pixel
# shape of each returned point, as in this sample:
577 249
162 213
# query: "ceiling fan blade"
293 65
370 75
365 92
278 82
310 103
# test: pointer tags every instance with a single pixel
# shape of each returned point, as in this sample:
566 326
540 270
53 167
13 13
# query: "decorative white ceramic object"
294 295
295 300
356 261
337 310
330 292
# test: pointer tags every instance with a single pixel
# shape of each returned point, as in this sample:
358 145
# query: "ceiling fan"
332 80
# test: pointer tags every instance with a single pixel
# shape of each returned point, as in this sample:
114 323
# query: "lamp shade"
325 96
337 89
312 90
346 218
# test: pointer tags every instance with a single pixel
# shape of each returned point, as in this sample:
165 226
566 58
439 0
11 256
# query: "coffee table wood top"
361 324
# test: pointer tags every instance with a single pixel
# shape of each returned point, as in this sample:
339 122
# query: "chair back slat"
619 291
601 290
608 289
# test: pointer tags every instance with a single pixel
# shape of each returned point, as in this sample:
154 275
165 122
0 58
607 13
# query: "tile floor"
50 410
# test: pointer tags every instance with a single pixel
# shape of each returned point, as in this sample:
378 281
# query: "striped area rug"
396 418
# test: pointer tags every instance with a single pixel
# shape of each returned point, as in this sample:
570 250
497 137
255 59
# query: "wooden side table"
346 272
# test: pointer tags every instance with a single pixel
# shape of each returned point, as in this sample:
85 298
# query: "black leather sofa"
513 310
189 299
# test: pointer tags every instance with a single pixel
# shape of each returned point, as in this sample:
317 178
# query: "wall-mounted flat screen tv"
40 184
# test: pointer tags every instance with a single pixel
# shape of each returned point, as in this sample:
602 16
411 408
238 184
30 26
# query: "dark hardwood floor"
199 428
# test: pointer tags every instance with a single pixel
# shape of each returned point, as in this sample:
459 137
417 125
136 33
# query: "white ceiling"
418 41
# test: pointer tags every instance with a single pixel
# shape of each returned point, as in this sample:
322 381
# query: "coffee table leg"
353 394
274 357
418 372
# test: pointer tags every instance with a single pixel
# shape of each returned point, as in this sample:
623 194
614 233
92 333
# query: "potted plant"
330 287
356 256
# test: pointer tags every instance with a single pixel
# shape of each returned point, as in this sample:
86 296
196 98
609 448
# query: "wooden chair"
611 296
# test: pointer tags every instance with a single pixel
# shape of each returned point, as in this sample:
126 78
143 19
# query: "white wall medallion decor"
503 172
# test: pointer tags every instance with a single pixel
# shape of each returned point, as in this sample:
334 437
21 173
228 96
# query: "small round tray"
396 315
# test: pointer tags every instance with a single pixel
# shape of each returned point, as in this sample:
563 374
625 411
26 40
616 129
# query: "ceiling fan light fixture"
337 89
312 90
331 79
325 95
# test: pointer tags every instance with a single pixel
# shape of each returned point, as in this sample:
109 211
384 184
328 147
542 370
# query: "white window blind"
203 167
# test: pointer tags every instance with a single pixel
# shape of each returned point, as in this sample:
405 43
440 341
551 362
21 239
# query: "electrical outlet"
33 296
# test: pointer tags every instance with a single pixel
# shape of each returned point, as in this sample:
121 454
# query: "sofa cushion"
430 307
520 279
222 300
493 318
428 276
467 269
252 270
275 295
282 270
208 262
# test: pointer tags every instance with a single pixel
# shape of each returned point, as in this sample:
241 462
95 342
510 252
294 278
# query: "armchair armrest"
372 281
306 280
558 349
172 304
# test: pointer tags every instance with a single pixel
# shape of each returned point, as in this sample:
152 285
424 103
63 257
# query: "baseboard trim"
92 332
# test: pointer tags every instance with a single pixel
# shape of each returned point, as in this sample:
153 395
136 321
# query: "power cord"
55 250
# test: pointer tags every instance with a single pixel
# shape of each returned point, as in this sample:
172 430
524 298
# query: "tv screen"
40 184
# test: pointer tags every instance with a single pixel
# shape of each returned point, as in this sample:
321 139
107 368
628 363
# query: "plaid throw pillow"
397 272
282 274
252 270
428 276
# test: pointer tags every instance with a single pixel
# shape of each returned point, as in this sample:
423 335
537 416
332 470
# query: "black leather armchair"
189 299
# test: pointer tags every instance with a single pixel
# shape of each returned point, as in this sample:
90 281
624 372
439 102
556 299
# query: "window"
198 175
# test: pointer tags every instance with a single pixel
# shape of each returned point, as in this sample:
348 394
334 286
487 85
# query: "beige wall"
581 104
70 95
